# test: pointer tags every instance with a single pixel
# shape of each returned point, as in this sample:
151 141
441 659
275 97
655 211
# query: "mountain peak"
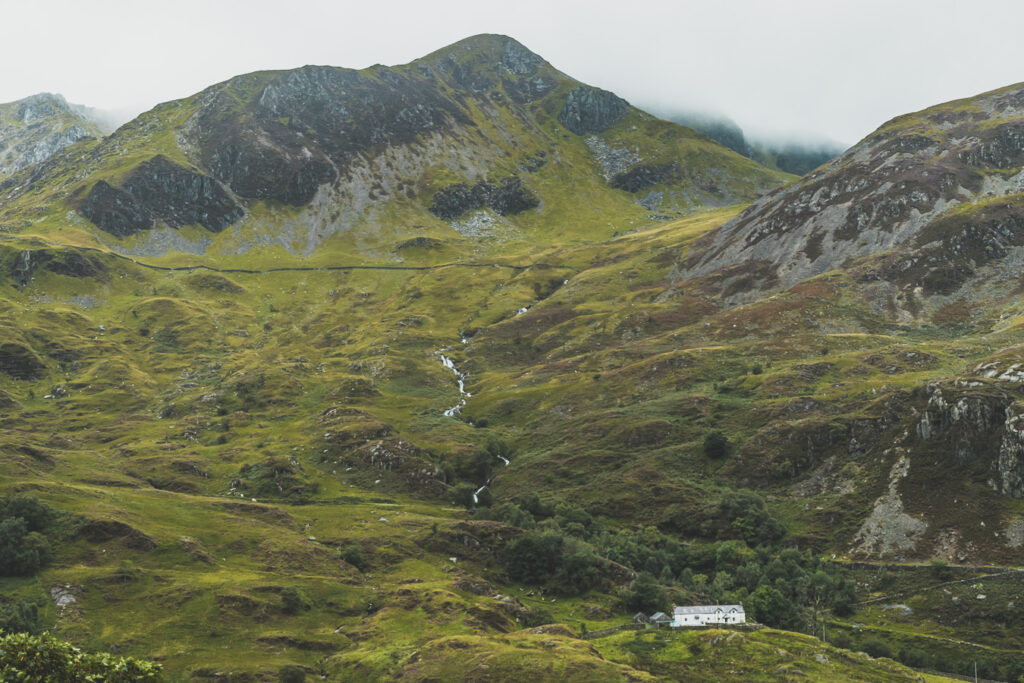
515 58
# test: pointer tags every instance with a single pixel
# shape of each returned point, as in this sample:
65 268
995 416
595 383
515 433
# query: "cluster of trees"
567 550
25 657
24 545
737 515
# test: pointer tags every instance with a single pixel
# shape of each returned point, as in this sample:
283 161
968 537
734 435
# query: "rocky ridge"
927 205
293 158
34 129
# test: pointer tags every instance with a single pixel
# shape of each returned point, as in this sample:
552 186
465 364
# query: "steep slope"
938 193
480 141
34 129
793 157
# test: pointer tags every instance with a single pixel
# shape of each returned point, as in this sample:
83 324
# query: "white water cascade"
460 377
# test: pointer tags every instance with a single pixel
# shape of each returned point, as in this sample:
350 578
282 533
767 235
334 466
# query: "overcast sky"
809 68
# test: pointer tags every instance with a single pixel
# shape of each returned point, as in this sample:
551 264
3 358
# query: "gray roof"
659 615
707 609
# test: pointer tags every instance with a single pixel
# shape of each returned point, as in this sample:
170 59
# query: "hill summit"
481 140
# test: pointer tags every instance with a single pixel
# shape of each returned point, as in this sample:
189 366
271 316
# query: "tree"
771 607
22 552
37 515
293 600
716 445
463 495
646 595
20 617
353 554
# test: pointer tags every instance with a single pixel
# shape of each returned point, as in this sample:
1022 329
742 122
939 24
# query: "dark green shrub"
293 601
716 445
353 554
876 647
24 657
20 617
290 673
22 552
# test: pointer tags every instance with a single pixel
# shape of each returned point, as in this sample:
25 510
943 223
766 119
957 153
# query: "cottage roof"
659 615
707 609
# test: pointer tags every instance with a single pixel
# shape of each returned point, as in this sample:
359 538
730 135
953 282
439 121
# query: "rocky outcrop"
36 128
644 176
892 196
115 211
506 197
592 110
306 126
889 532
980 425
160 190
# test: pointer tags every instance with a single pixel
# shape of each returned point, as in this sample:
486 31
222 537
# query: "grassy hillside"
225 440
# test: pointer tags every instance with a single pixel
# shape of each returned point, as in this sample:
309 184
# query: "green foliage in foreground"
25 658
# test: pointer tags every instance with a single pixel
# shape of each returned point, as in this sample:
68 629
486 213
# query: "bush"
462 495
20 617
290 673
940 569
716 445
841 640
25 657
876 647
353 554
293 601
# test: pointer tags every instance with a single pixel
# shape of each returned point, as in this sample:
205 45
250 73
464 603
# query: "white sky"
815 68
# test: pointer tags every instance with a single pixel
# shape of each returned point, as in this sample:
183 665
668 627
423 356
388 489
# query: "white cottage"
700 615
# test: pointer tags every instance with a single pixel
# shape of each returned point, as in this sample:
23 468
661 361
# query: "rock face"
305 126
889 532
980 425
506 198
34 129
159 190
592 110
920 189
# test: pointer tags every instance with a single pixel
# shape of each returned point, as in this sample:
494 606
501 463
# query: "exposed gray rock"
36 128
592 110
889 531
893 194
506 197
1010 462
1015 533
613 161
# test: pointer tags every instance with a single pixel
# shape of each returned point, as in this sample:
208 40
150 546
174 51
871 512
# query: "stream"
460 377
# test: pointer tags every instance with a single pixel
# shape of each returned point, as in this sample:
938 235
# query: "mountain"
34 129
925 210
332 373
798 158
483 139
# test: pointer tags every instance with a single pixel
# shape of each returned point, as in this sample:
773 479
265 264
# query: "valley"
429 372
